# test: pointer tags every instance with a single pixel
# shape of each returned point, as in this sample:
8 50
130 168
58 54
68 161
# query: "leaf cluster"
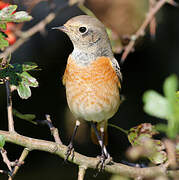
8 14
20 78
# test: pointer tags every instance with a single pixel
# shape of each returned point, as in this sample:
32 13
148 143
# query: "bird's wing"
116 67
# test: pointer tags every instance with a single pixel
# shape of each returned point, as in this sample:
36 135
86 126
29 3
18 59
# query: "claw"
70 151
104 159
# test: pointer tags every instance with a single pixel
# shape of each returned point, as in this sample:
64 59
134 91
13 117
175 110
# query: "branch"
9 107
141 30
81 160
5 159
171 151
81 172
20 162
54 131
27 34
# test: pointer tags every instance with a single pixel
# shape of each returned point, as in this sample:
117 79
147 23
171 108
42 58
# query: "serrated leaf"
23 91
155 104
7 15
136 133
27 117
2 141
28 80
5 12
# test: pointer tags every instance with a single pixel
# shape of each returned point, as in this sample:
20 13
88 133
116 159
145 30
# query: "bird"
92 78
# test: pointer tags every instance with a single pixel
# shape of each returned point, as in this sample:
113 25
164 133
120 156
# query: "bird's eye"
82 29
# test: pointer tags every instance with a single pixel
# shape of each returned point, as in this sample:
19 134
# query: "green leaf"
28 80
177 95
21 79
23 91
27 66
2 141
3 42
7 15
21 16
5 12
155 104
158 157
3 26
170 87
165 107
27 117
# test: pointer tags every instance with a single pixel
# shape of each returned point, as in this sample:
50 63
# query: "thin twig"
81 172
88 162
20 162
54 131
9 107
142 28
5 159
27 34
153 23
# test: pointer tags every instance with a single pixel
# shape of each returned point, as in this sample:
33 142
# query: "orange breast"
92 90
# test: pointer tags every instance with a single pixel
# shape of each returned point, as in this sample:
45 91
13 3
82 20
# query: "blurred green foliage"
165 107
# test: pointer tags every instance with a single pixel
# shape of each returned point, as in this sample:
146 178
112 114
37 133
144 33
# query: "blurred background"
146 68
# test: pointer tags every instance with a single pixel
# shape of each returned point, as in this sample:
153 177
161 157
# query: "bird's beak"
61 28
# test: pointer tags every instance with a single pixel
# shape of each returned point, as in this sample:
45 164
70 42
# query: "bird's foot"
104 159
70 151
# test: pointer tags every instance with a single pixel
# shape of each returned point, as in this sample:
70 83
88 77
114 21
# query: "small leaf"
2 141
7 15
27 117
155 104
2 26
27 66
158 157
5 12
23 91
21 16
28 80
3 42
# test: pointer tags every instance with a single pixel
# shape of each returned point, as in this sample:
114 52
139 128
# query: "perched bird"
92 77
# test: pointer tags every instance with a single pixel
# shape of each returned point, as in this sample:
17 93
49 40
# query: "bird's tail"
102 124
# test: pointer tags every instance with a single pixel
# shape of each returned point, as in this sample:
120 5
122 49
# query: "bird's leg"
104 154
70 149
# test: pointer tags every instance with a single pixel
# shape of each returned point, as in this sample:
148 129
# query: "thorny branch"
141 30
